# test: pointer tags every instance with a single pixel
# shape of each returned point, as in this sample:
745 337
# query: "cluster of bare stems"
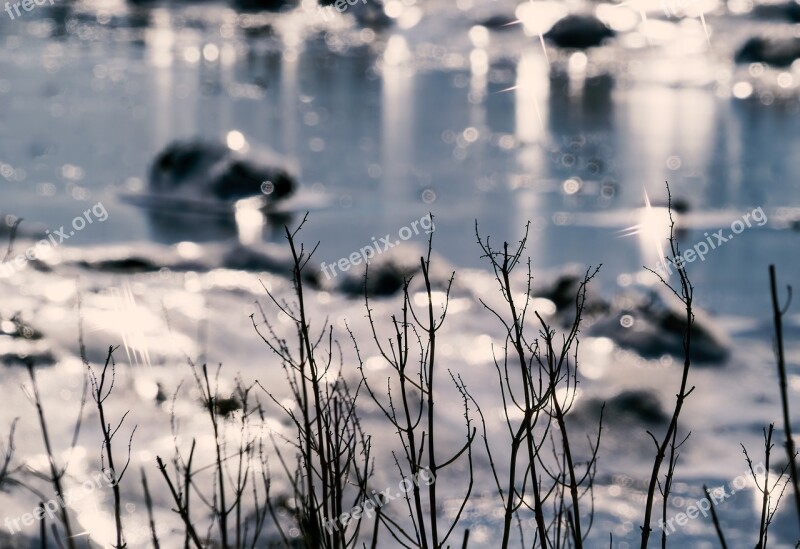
408 405
330 471
546 478
228 498
669 441
668 446
234 512
57 471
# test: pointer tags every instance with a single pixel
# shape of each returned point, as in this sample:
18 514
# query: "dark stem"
787 425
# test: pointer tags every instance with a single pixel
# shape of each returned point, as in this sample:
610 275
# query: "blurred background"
487 110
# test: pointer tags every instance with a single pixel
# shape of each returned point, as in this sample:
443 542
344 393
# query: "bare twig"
148 502
56 473
715 519
777 314
686 296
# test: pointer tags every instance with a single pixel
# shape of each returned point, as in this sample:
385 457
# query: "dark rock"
161 396
262 5
774 51
564 292
144 5
579 32
384 279
632 406
226 406
789 11
130 265
386 273
644 406
793 11
198 170
657 322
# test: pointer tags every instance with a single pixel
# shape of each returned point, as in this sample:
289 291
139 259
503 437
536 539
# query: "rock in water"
122 265
203 170
774 51
387 273
384 280
564 293
652 322
579 32
261 5
633 406
775 11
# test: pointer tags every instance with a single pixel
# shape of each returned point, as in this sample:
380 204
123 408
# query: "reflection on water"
480 132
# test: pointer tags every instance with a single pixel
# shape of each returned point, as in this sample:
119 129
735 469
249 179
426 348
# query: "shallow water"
388 126
392 132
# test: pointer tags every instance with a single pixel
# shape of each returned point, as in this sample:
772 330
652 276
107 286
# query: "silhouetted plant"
101 388
669 441
409 407
547 376
777 313
333 463
549 478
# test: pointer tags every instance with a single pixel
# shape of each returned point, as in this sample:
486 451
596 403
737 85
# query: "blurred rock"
198 170
262 5
225 406
385 279
788 11
563 293
167 259
774 51
388 271
123 265
652 323
579 32
632 406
